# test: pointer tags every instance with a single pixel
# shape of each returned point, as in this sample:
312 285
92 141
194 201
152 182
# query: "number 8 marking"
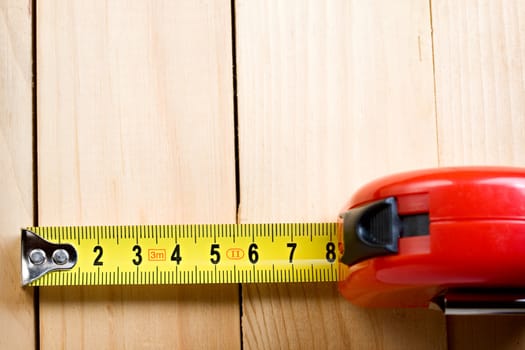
330 252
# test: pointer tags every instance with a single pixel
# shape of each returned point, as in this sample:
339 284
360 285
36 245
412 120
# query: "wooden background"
132 112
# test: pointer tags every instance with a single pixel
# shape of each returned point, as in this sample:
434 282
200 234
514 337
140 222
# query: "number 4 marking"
293 246
175 256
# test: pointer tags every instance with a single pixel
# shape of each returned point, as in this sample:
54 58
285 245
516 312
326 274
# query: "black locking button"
374 230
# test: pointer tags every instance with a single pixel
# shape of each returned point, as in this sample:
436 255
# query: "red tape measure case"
408 239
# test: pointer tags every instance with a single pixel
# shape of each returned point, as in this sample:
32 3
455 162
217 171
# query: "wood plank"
480 79
16 172
330 95
135 116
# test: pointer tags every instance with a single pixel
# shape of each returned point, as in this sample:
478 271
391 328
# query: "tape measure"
179 254
452 238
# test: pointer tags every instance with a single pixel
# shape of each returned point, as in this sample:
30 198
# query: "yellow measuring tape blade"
194 254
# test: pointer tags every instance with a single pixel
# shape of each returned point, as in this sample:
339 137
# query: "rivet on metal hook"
37 256
60 256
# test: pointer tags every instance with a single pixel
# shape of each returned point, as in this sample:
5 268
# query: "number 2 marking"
99 251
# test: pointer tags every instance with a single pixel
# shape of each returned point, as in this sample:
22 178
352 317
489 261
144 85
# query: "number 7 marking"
293 246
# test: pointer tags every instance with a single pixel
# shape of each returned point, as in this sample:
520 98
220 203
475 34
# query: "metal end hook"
40 256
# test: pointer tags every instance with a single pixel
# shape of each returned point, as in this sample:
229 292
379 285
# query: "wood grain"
480 81
16 171
480 97
330 95
135 125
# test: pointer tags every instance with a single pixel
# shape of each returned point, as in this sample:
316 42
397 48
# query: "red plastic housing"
477 236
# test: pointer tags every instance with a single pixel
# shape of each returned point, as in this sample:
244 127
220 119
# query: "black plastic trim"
371 230
374 229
